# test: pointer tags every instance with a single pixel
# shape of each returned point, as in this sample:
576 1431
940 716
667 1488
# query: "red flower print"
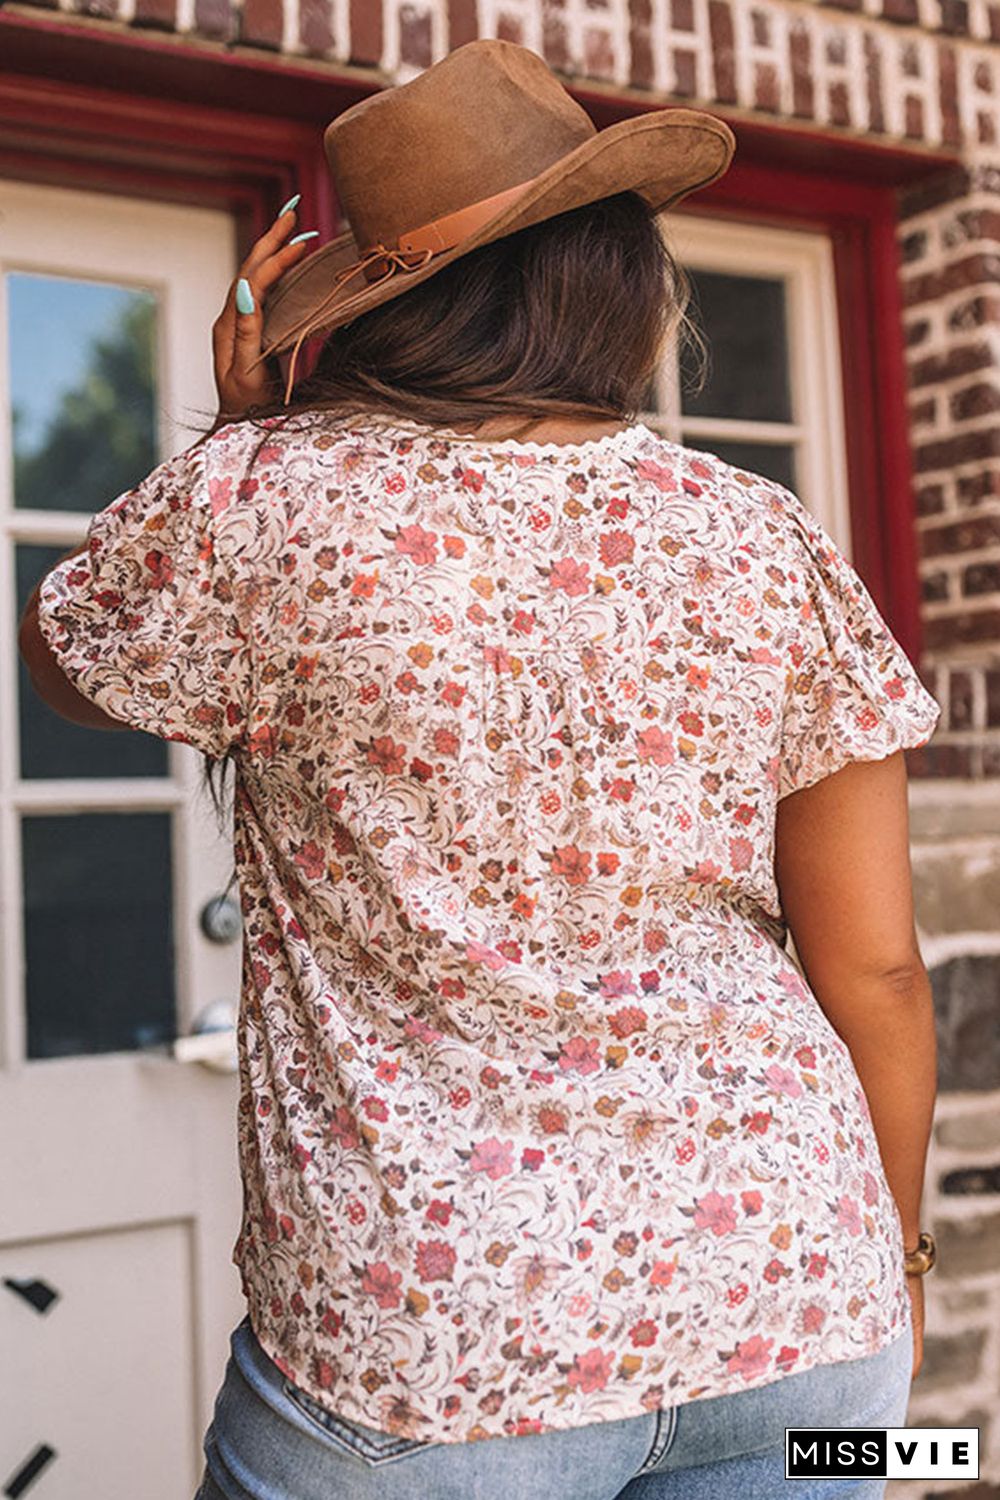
664 479
497 658
643 1333
375 1108
848 1215
356 1211
438 1212
758 1122
531 1159
492 1157
813 1318
460 1097
264 741
572 864
394 484
161 569
571 576
471 479
657 745
774 1271
343 1128
805 1057
363 585
752 1357
382 1283
445 742
387 755
816 1266
617 547
580 1055
740 853
552 1120
414 1026
591 1371
786 1357
386 1071
752 1202
737 1294
416 543
323 1372
662 1273
523 622
311 861
624 1022
686 1151
715 1212
434 1260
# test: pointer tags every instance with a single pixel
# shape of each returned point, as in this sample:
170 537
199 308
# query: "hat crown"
487 117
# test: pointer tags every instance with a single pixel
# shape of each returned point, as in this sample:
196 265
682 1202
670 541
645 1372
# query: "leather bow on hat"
485 142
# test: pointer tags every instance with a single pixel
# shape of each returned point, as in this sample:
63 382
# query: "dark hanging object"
29 1471
38 1293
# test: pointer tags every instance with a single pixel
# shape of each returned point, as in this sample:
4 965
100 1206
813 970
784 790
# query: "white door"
765 300
119 1189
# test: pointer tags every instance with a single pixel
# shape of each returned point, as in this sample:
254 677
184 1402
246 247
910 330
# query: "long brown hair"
566 318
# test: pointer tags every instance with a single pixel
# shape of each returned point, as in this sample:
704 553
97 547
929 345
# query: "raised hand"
236 332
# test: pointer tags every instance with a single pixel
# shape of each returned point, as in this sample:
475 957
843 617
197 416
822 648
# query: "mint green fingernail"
309 234
289 205
244 296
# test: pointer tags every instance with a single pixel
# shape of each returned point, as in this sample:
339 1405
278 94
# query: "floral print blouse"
539 1123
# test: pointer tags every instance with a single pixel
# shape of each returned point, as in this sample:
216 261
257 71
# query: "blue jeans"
269 1441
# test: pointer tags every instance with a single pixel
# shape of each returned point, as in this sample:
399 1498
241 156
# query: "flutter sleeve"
145 622
851 692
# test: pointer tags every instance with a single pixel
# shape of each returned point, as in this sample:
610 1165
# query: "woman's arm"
47 678
842 865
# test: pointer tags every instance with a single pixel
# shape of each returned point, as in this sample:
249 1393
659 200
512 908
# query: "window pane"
54 746
743 320
83 408
774 460
98 932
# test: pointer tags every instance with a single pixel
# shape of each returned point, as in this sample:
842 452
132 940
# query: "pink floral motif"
848 1215
783 1081
580 1055
493 1157
715 1212
591 1371
752 1357
382 1283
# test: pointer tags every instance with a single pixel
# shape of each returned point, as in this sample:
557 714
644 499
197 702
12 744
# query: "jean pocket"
371 1446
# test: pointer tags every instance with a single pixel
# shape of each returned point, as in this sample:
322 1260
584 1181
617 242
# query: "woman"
546 732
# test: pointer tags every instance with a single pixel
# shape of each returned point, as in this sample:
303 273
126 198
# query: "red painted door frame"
127 113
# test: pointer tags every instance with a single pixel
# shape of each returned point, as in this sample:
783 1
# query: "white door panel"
119 1187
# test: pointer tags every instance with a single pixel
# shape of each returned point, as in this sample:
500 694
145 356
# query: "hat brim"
662 156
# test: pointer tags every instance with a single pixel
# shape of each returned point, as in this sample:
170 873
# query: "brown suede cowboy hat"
485 142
